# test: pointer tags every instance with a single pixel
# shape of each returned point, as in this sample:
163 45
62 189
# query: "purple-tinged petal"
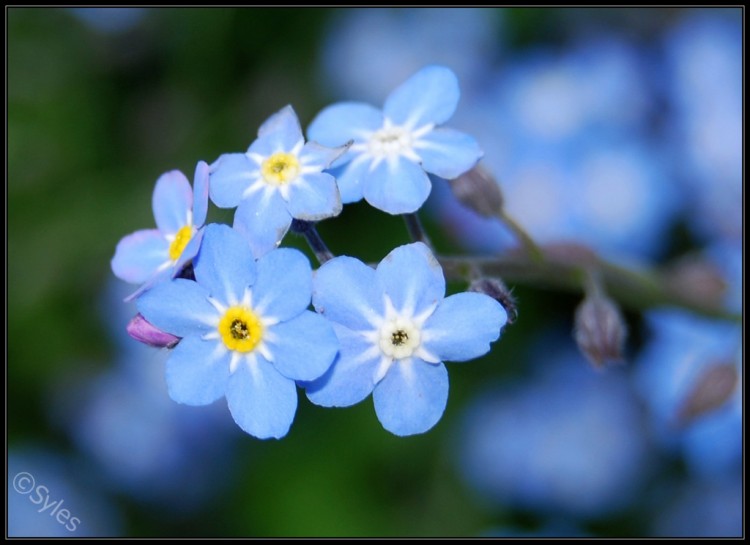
263 220
281 132
398 187
339 123
262 401
198 371
141 330
429 96
304 347
448 153
172 202
139 255
351 377
314 197
412 396
463 326
200 193
179 307
231 174
348 292
225 264
283 287
412 278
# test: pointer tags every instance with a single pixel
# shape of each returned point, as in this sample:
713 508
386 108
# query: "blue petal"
412 277
463 326
348 178
339 123
161 276
231 175
197 371
398 187
412 396
225 264
172 200
314 197
313 155
179 307
429 96
200 193
139 255
304 347
347 291
283 287
351 377
263 219
261 400
448 153
280 132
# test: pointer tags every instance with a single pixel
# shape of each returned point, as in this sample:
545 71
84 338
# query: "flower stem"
416 231
313 238
523 236
568 266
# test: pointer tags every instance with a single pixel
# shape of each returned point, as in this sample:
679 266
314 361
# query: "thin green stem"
567 268
523 236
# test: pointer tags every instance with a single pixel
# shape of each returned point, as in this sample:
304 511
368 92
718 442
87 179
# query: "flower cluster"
250 321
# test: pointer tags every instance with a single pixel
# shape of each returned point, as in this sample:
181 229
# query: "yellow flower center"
181 240
280 168
240 329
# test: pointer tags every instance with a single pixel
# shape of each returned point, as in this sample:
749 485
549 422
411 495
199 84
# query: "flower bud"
141 330
495 288
712 389
479 190
600 330
696 278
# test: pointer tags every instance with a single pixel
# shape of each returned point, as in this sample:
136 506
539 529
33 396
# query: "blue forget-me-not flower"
393 150
396 327
150 255
246 331
279 178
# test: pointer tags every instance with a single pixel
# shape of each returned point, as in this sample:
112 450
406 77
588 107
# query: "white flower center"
399 338
390 141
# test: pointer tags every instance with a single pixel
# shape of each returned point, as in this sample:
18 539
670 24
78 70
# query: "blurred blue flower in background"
703 72
703 508
727 255
368 52
568 440
690 375
110 19
564 134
